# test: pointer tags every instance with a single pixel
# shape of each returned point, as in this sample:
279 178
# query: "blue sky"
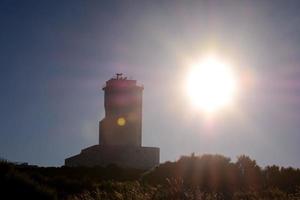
55 57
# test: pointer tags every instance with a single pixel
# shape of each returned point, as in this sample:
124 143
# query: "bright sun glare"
211 84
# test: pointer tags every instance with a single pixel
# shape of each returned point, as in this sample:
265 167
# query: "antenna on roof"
119 75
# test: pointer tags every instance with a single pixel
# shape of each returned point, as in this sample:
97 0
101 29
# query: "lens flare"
121 121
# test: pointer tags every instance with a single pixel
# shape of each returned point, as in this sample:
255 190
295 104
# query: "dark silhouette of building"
120 132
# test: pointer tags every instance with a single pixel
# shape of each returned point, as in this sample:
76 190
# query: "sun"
211 84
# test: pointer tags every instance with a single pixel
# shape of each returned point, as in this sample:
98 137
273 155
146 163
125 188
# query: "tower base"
123 156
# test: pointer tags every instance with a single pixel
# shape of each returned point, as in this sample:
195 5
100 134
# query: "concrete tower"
122 124
120 131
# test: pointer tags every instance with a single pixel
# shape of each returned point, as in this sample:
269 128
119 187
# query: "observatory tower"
122 124
120 131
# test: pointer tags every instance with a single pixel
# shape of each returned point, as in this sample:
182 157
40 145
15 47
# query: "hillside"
190 177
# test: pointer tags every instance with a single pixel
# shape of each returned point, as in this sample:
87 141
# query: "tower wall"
122 101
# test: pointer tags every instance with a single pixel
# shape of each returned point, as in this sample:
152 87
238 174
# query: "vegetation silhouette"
191 177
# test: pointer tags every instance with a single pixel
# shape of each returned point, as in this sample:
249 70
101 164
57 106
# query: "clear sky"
55 57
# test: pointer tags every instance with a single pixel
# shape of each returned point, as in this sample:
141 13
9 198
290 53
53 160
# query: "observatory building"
120 132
